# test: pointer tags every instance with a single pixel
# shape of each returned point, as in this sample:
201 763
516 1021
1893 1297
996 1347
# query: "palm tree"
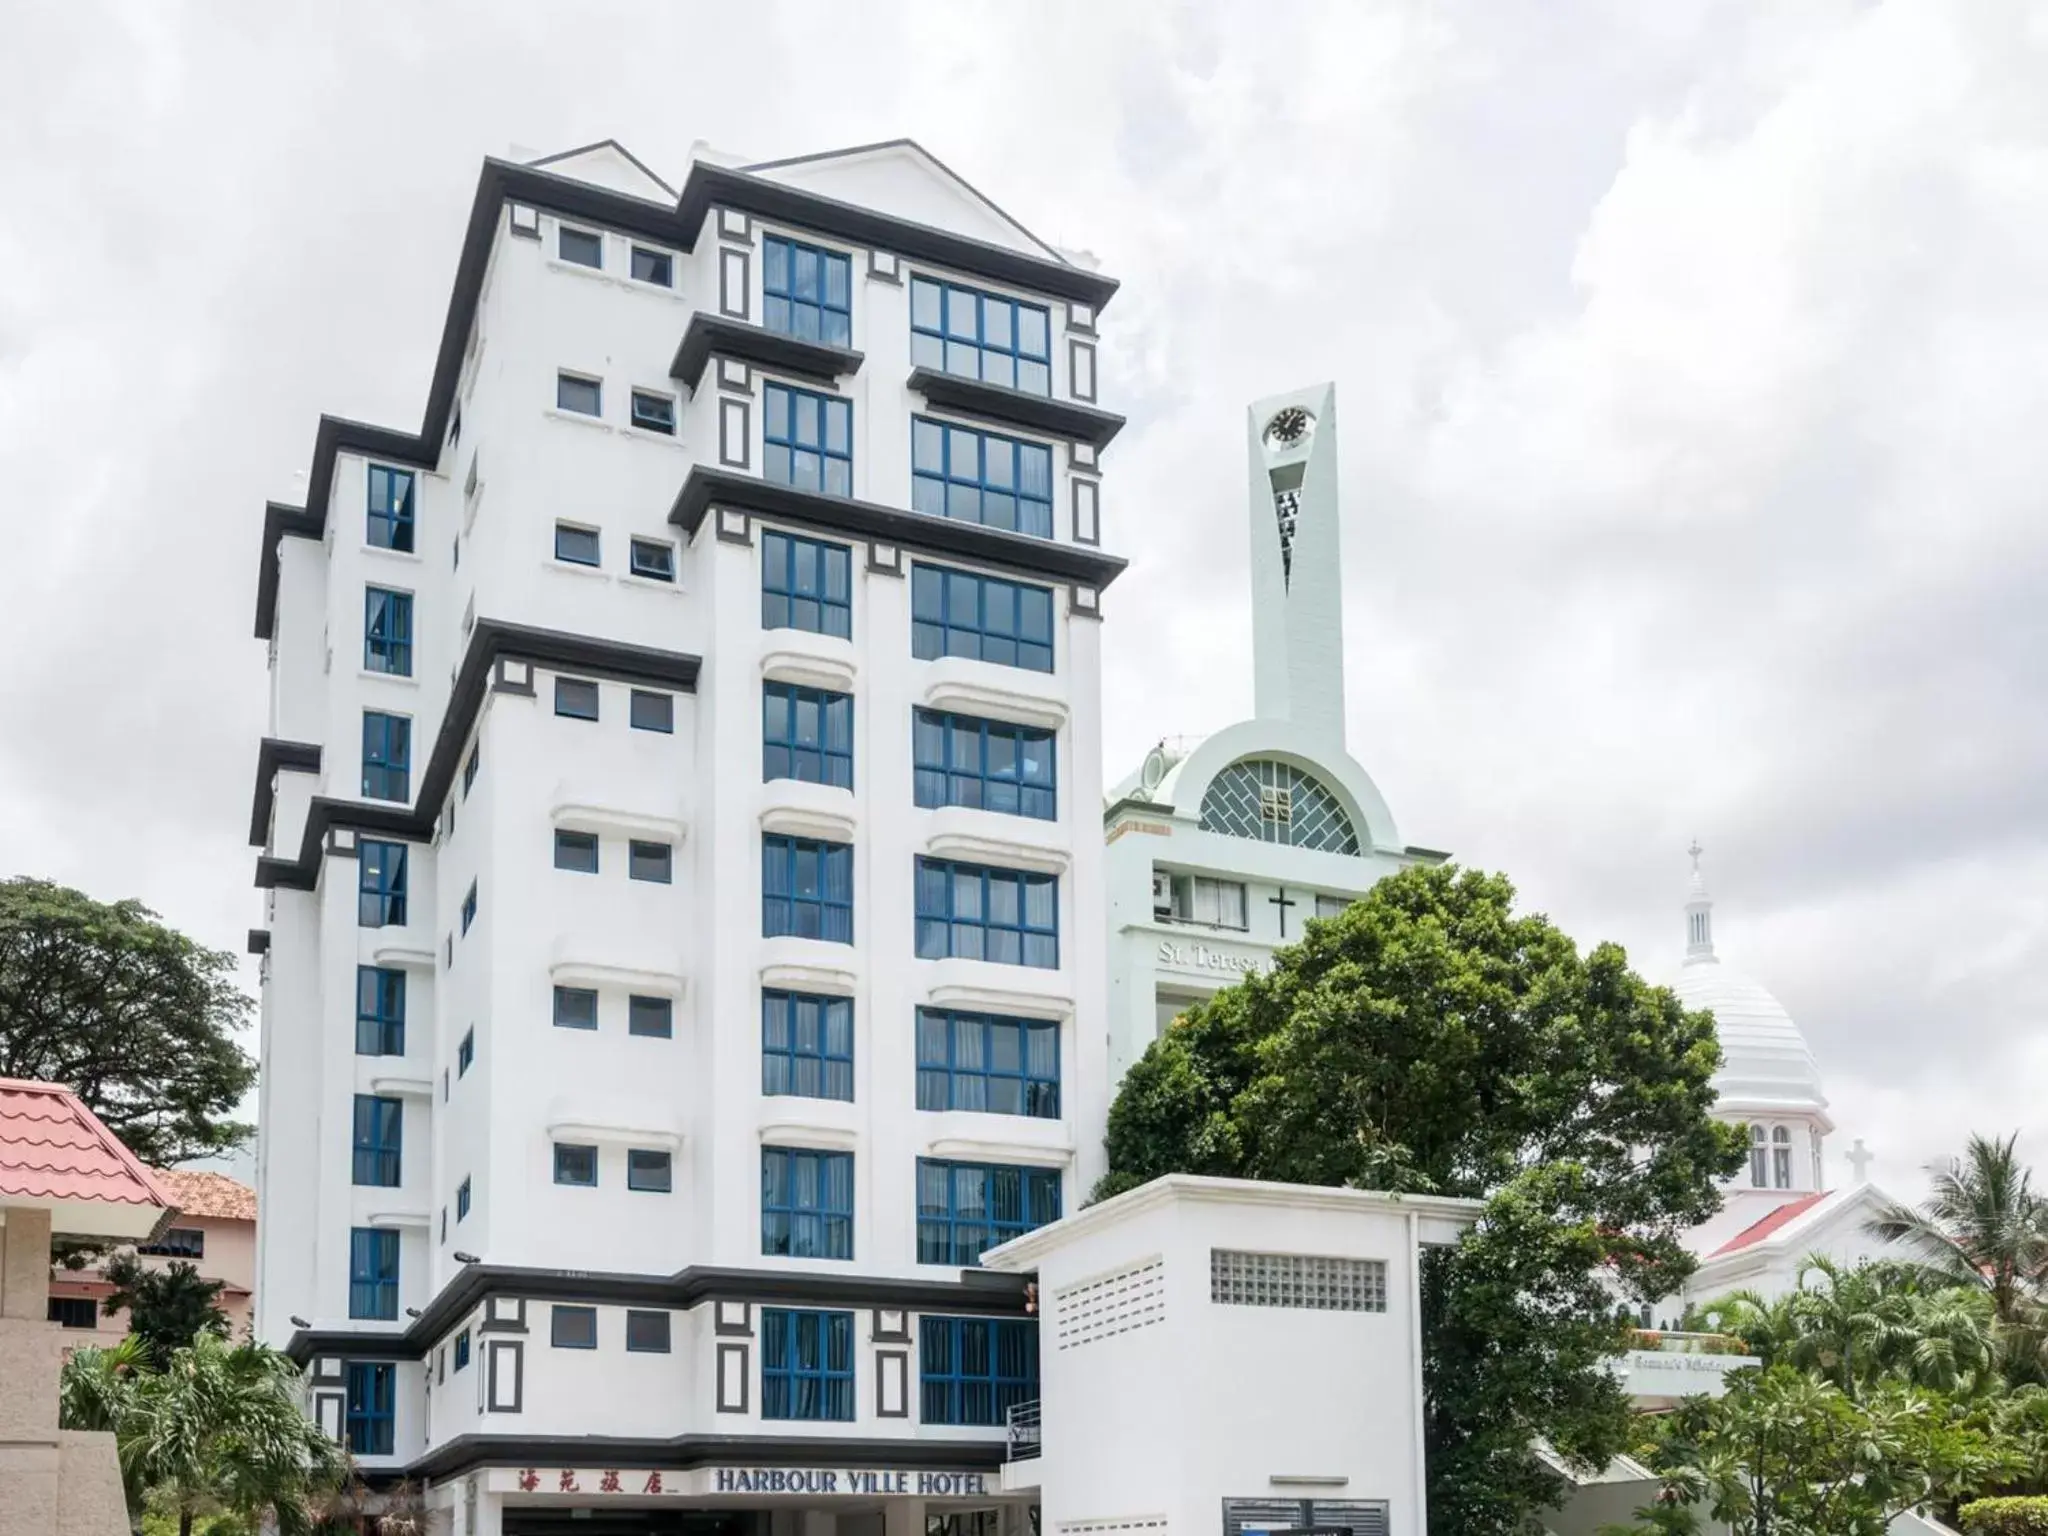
218 1430
1984 1228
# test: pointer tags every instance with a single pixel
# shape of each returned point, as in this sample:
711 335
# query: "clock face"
1288 427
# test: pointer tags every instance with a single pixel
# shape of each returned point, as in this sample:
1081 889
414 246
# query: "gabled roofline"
583 149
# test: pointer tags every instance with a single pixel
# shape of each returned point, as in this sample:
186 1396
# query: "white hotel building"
679 825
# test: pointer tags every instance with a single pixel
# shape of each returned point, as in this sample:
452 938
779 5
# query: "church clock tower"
1297 562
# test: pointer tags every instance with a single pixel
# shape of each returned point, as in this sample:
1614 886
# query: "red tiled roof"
1757 1231
208 1194
53 1148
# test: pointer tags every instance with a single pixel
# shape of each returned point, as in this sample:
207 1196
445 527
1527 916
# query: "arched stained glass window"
1275 802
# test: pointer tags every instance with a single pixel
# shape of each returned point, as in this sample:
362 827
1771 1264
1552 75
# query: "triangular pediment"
608 164
903 179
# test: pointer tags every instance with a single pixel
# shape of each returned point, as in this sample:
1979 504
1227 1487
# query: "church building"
1220 849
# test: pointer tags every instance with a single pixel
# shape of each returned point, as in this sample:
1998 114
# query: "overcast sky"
1692 366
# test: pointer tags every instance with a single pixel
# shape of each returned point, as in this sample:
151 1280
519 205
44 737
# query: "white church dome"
1765 1060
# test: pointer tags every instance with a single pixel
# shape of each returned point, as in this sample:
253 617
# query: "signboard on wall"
738 1482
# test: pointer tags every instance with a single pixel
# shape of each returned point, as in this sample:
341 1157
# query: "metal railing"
1020 1427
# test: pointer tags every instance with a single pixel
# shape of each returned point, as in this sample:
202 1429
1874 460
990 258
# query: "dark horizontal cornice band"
706 488
1015 408
710 335
489 641
982 1291
273 754
683 1453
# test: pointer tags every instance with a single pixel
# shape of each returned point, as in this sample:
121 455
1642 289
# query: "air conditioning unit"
1162 894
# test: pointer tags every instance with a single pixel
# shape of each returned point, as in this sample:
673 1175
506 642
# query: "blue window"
980 477
806 1364
462 1199
980 1061
807 440
469 906
806 292
584 247
652 712
969 912
654 1017
578 546
465 1053
963 1208
462 1349
387 756
573 1328
646 1333
583 396
387 631
807 734
380 884
652 267
373 1273
379 1134
575 1165
575 1007
974 1370
980 336
371 1415
806 585
806 889
806 1203
576 698
956 613
391 492
989 764
476 758
807 1045
650 1171
650 861
380 1011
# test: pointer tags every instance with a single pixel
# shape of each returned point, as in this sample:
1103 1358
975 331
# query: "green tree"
1985 1228
167 1308
1432 1039
131 1015
219 1431
1784 1454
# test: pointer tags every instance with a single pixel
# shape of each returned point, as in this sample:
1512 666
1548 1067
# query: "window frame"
947 774
559 1313
934 594
370 1282
982 1398
634 1176
651 422
596 385
462 1349
377 1141
389 889
946 337
782 558
176 1243
560 1164
640 854
580 530
949 437
787 291
796 755
398 516
990 877
387 756
996 1231
667 267
645 1316
781 856
569 838
575 685
462 1199
821 411
465 1053
785 1375
664 572
1038 1092
807 1231
388 654
562 994
563 232
384 1017
634 1006
370 1407
786 1007
642 696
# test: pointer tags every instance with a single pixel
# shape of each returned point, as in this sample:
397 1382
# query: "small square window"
654 711
649 1171
576 697
584 247
578 546
462 1349
575 1008
583 396
576 852
573 1327
575 1165
646 1333
654 1017
653 559
652 267
653 412
650 861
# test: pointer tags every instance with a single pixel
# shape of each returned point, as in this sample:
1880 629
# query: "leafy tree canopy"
133 1016
167 1308
1432 1039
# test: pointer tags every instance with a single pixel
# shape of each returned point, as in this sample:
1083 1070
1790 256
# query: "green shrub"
2006 1517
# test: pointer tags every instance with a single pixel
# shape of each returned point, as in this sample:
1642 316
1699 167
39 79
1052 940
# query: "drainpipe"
1421 1520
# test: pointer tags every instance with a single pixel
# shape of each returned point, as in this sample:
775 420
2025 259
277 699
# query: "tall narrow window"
806 1364
974 1370
1759 1171
379 1138
807 292
1781 1157
980 336
970 912
980 477
391 509
806 889
964 1208
387 631
806 585
373 1273
387 756
806 1203
983 1062
380 1011
371 1407
380 883
988 764
807 440
806 1045
807 734
957 613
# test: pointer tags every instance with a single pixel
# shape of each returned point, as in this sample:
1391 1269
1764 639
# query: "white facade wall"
485 519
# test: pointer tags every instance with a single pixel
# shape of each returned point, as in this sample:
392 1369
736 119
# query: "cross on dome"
1699 913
